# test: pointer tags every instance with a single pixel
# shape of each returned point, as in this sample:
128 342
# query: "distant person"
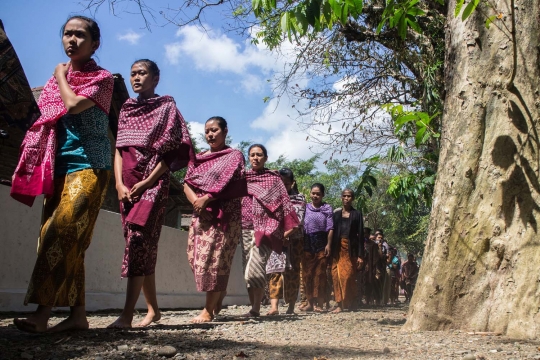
267 216
286 285
317 248
214 184
347 252
409 275
395 273
66 156
152 141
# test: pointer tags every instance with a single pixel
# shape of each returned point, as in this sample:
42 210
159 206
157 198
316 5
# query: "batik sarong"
254 260
344 276
314 267
67 225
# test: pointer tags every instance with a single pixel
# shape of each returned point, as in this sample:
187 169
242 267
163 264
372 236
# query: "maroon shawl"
156 124
151 130
35 172
220 175
273 212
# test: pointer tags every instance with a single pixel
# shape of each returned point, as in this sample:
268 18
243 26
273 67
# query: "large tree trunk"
481 265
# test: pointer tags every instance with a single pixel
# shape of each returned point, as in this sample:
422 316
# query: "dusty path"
358 335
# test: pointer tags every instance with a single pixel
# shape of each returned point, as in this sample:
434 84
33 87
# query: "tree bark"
480 266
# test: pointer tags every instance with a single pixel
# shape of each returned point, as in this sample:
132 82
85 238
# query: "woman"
65 155
347 252
286 285
317 245
267 214
214 185
152 141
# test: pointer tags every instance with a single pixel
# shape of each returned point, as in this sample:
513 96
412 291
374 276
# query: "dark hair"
318 185
379 231
410 254
150 65
288 173
222 123
265 152
93 27
349 190
368 230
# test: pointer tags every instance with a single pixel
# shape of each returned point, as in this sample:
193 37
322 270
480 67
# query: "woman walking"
318 224
65 155
267 215
214 185
152 141
286 285
347 252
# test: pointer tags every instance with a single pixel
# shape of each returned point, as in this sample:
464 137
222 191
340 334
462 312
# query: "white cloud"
131 37
196 130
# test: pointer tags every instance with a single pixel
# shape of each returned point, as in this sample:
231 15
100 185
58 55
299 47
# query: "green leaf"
469 9
405 119
416 11
489 20
285 26
402 27
313 12
344 13
336 8
359 6
420 136
369 191
459 5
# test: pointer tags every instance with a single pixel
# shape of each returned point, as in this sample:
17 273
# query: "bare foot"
272 312
70 324
318 310
252 314
150 318
203 317
219 305
121 323
337 310
306 308
290 309
30 325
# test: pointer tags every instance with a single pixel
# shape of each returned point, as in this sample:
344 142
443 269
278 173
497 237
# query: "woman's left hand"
61 69
138 189
327 251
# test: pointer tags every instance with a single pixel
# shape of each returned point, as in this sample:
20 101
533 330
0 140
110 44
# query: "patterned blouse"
83 141
317 223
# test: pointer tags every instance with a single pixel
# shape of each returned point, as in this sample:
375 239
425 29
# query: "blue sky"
208 73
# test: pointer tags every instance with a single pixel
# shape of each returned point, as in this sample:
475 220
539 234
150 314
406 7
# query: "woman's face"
288 183
77 41
142 81
257 158
347 198
215 137
316 196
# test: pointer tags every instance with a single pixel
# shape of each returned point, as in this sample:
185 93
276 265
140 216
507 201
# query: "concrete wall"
19 227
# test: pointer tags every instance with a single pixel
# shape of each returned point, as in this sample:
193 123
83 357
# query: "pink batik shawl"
34 174
157 126
273 212
221 175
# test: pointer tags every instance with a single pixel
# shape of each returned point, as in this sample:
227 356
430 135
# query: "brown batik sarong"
314 267
344 276
67 225
286 285
211 251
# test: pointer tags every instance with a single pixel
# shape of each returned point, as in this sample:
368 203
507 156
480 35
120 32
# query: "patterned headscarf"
34 174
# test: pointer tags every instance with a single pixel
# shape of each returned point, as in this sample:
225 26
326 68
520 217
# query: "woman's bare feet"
251 314
203 317
31 325
123 322
336 310
318 310
219 305
306 308
70 324
272 312
150 318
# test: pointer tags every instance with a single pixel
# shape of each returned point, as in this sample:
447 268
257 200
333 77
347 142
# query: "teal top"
83 142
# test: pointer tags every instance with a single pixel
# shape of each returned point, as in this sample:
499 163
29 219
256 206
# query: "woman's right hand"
123 193
200 204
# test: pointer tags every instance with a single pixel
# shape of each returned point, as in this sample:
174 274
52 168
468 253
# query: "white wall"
19 228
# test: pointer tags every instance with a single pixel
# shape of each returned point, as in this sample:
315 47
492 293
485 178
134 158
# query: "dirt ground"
370 333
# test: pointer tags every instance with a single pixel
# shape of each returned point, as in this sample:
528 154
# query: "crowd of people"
289 245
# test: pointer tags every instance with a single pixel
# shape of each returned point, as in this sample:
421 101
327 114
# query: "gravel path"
366 334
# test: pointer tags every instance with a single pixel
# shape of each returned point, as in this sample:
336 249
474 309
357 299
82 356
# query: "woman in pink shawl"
152 141
214 185
268 216
66 156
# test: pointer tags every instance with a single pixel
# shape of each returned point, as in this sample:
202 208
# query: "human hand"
138 189
327 251
200 204
61 69
123 193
